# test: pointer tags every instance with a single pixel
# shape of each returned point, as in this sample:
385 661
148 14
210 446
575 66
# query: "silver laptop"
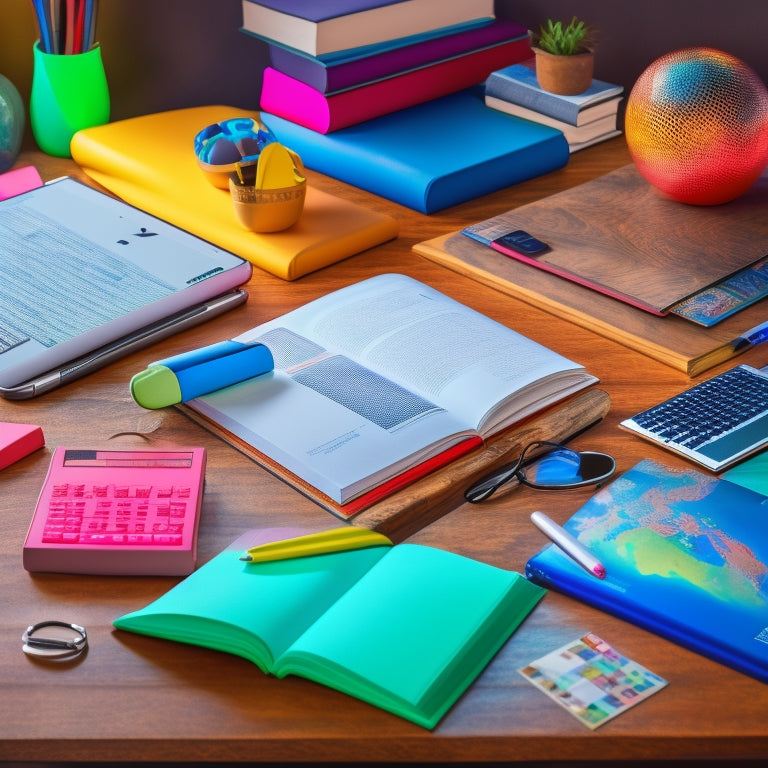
86 278
715 423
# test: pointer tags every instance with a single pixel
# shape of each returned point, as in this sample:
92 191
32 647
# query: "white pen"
569 544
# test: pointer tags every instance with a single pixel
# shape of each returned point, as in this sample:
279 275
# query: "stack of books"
335 65
387 95
584 119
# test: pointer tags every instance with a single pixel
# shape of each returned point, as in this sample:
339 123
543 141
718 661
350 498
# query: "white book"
374 379
576 146
577 136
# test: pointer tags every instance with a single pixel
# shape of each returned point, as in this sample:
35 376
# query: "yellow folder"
149 162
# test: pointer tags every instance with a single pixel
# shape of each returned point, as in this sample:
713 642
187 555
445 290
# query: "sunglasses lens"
563 467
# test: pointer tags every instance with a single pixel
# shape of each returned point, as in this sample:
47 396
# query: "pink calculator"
118 512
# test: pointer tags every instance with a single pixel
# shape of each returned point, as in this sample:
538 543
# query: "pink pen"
568 544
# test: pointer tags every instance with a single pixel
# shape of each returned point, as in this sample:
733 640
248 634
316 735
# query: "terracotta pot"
566 75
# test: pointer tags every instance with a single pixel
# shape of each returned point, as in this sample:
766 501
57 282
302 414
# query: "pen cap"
199 372
156 387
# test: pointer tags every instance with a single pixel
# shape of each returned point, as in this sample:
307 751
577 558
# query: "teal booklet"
406 628
686 556
751 473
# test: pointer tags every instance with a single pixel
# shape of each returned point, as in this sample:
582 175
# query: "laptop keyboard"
715 423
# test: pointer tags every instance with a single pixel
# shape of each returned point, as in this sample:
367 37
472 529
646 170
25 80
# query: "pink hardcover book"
293 100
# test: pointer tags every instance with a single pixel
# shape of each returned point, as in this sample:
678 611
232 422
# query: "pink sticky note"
19 180
17 441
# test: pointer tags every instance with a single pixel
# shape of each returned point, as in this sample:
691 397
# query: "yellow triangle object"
149 162
276 168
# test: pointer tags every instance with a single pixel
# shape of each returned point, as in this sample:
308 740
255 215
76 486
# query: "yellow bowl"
268 210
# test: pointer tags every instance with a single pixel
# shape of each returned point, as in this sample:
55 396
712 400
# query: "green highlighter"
199 372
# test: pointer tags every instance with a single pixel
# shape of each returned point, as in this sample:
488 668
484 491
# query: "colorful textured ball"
696 125
12 116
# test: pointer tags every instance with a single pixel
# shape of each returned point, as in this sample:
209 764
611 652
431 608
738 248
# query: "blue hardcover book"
433 155
686 556
517 84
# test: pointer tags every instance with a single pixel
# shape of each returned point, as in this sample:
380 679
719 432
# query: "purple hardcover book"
340 75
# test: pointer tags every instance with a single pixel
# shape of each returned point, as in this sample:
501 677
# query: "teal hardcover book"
686 556
406 628
433 155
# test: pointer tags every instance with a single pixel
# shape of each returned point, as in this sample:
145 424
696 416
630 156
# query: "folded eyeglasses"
547 466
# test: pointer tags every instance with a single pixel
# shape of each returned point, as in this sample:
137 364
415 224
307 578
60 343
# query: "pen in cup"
568 544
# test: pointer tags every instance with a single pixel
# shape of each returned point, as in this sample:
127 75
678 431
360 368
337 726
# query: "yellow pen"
336 540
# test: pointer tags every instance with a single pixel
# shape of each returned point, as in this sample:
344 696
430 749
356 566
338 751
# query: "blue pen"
192 374
752 337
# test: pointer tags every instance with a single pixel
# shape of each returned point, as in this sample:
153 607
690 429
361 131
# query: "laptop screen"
79 268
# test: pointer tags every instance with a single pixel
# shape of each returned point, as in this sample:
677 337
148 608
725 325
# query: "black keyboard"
714 423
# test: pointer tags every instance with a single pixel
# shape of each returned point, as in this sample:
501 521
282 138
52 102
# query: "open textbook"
380 377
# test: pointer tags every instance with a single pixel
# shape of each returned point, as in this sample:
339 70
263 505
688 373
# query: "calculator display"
169 459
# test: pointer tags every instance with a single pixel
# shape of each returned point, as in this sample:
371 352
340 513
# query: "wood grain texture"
593 237
618 233
141 699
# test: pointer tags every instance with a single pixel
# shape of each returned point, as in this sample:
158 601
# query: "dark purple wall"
166 54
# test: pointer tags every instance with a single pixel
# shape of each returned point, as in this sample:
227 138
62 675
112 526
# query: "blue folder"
432 156
685 555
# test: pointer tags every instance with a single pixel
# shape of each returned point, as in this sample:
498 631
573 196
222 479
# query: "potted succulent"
564 56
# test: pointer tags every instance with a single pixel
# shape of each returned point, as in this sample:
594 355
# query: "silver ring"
54 646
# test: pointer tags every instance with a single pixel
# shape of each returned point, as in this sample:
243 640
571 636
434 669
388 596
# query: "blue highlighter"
199 372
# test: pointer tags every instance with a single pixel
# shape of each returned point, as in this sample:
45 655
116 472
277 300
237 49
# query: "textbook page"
382 371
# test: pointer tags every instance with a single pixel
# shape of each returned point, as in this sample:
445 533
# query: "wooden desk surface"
136 698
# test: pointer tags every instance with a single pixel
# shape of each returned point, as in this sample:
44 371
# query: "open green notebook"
406 628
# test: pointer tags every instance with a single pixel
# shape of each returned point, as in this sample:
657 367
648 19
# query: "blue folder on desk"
431 156
686 556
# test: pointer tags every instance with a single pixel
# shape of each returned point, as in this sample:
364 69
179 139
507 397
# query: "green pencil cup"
69 92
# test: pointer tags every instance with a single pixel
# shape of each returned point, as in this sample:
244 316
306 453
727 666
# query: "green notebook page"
751 473
406 628
414 632
252 610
